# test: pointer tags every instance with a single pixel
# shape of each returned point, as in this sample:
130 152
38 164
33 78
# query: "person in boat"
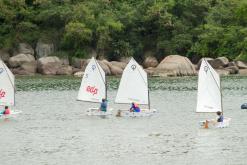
219 119
103 105
135 108
6 111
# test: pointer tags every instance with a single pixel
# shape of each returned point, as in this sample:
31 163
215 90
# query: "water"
53 128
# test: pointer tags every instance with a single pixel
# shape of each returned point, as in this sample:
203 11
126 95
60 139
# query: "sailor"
103 105
6 111
220 117
135 108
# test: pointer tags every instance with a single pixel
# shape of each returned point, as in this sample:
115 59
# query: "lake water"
54 128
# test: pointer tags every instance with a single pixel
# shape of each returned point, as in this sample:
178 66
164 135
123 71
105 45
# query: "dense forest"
119 28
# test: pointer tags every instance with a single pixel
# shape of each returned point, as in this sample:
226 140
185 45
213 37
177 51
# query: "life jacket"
220 119
136 108
7 111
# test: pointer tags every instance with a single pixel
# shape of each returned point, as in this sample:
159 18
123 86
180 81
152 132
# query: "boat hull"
97 112
143 113
213 124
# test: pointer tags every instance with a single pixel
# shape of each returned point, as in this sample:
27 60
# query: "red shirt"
7 112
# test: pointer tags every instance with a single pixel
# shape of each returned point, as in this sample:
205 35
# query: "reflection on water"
53 128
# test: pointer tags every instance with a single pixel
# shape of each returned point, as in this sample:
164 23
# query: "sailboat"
133 88
209 96
7 88
93 87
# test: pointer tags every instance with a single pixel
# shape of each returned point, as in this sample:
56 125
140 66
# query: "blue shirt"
103 106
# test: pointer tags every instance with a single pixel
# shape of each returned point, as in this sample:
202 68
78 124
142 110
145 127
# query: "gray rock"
24 48
44 49
150 62
119 64
65 70
49 65
241 64
223 72
79 74
104 65
175 65
18 60
232 69
243 72
232 63
219 62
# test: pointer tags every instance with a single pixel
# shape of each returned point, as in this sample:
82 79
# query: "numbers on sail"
91 89
2 93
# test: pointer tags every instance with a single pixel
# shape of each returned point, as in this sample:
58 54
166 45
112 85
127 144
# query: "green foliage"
118 28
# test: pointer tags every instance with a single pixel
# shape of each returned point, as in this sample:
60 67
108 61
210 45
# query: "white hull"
97 112
143 113
213 124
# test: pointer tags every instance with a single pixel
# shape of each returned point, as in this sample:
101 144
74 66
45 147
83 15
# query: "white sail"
7 86
133 85
209 91
93 85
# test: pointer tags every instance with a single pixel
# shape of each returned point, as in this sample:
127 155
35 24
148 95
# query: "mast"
148 96
221 98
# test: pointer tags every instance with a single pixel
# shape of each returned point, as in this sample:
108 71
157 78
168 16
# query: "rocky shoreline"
26 61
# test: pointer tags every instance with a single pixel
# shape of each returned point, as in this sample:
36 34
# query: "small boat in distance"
244 106
7 89
209 96
93 87
133 88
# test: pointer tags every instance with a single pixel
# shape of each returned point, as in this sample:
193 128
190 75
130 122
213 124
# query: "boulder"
79 74
219 62
241 64
119 64
199 63
18 60
115 70
65 61
24 48
176 65
30 67
44 49
150 62
232 63
243 72
19 71
232 69
74 70
49 65
65 70
223 72
105 67
4 55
